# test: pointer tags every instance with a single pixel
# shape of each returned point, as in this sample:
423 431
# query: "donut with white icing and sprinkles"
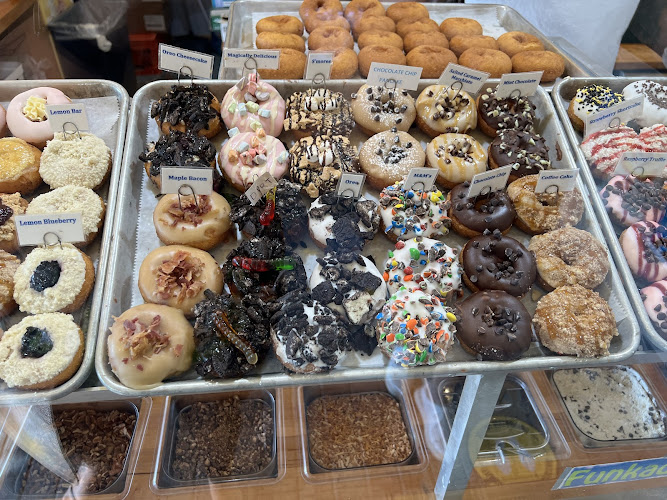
591 99
655 101
254 102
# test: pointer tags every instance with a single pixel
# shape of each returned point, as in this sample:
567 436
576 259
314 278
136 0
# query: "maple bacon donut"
491 61
513 42
441 110
280 24
432 59
26 114
458 156
453 26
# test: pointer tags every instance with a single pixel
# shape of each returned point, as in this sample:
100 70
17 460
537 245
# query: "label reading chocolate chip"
394 76
260 187
319 63
555 181
518 84
470 80
614 116
490 181
186 62
421 179
49 229
186 181
350 185
67 118
641 164
251 59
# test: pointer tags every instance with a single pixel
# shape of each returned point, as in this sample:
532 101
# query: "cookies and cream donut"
149 343
405 214
81 159
183 220
525 151
256 104
442 109
26 114
507 113
655 101
41 351
604 148
191 107
644 245
470 217
318 111
8 266
376 109
591 99
654 297
415 328
10 205
424 264
459 157
630 199
176 275
389 156
55 278
19 166
342 223
318 162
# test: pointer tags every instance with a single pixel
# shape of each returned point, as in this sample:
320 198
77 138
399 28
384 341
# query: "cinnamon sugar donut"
513 42
381 38
494 62
292 66
345 64
318 12
270 40
417 38
321 20
374 23
460 43
432 59
407 11
280 24
330 37
551 63
420 25
453 26
381 54
357 9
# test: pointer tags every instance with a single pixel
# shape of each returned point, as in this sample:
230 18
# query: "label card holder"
394 76
470 80
614 116
199 180
319 63
487 182
263 59
555 181
179 61
641 164
350 185
523 84
42 229
421 179
260 187
68 118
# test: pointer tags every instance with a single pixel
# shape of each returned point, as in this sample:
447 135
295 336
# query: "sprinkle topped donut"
629 199
591 99
655 101
256 104
442 109
376 109
318 111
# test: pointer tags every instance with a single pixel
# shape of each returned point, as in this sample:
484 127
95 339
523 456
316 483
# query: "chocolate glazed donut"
496 262
493 325
472 216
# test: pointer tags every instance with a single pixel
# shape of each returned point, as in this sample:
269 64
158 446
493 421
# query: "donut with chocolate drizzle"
645 247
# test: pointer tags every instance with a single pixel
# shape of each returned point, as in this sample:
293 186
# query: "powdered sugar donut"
256 104
655 101
655 302
603 149
630 199
26 114
645 247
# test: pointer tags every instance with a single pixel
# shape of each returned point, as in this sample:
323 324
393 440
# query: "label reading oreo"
260 187
350 185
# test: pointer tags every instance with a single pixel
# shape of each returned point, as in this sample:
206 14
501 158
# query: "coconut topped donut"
184 108
255 102
26 114
318 111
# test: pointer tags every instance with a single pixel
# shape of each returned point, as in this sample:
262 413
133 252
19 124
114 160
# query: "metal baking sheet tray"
134 217
562 94
88 316
495 19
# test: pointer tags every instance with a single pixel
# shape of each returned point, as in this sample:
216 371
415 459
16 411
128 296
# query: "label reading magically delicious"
470 80
319 63
394 75
555 181
186 62
186 179
489 181
641 164
251 59
260 187
518 84
49 229
350 185
421 179
71 116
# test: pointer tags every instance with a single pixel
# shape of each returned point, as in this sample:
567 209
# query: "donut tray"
495 19
134 237
89 315
562 94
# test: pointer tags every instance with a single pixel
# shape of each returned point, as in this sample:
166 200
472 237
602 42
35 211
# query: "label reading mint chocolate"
70 116
641 164
487 182
260 187
186 62
251 59
319 63
518 84
555 181
420 179
49 229
186 180
394 75
470 80
350 185
614 116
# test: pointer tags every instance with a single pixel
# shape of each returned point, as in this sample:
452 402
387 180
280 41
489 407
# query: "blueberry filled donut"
389 156
192 108
415 328
377 109
645 247
149 343
26 114
654 297
591 99
496 262
8 266
318 111
459 157
630 199
56 278
41 351
442 109
405 214
655 101
472 216
342 223
317 162
424 264
350 285
10 205
502 114
525 151
256 102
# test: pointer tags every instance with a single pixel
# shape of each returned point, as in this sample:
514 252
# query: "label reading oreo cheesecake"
470 80
260 187
487 182
614 116
251 59
421 179
556 181
394 76
186 181
49 229
68 118
186 62
641 164
518 84
350 185
319 63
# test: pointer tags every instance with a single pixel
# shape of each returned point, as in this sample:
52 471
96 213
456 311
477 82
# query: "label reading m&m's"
421 179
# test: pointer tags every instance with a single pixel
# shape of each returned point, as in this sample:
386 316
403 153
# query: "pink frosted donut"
256 104
26 116
655 302
645 247
247 155
629 199
3 121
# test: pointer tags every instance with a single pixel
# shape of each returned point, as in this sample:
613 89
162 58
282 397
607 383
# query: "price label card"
319 63
263 59
186 179
615 115
524 84
390 75
470 80
49 229
175 59
489 181
260 187
554 181
350 185
641 164
72 116
421 179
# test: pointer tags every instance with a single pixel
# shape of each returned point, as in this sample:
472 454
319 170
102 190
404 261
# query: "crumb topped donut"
184 108
472 216
630 199
41 351
591 99
377 109
10 205
256 103
507 113
8 266
389 156
26 114
459 157
315 111
19 166
525 151
442 110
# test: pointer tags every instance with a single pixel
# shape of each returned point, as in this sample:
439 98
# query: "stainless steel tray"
562 94
88 316
121 291
495 19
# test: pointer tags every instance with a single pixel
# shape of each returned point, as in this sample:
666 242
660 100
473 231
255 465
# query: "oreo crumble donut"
192 108
525 151
318 111
507 113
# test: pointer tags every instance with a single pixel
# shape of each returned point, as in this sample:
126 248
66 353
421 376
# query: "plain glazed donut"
345 64
280 24
374 23
330 37
317 12
432 59
460 43
644 245
453 26
357 9
417 38
292 66
26 114
407 11
420 25
494 62
270 40
513 42
441 110
381 54
551 63
382 38
458 156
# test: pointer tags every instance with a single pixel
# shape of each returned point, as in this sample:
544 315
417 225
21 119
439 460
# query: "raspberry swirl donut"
591 99
376 109
655 101
654 138
629 199
458 156
644 245
192 108
256 104
442 110
317 111
525 151
507 113
472 216
654 297
389 156
603 149
26 114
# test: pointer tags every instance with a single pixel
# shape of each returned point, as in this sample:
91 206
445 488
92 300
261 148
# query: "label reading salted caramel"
350 185
70 117
518 84
470 80
260 187
555 181
251 59
49 229
394 75
186 62
319 63
641 164
487 182
186 181
614 116
421 179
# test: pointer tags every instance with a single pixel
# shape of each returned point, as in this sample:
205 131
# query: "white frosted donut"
149 343
442 109
3 121
257 102
655 302
26 114
655 101
458 156
643 244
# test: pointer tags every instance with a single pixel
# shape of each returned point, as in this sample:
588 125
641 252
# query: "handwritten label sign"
617 114
175 59
489 181
32 229
260 187
263 59
470 80
199 179
61 114
641 164
554 181
618 472
421 179
319 63
524 84
403 77
350 185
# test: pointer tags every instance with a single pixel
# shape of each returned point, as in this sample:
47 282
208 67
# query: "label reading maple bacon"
175 59
260 187
421 179
490 181
72 116
641 164
32 229
319 63
199 180
553 181
390 75
518 84
471 80
350 185
614 116
263 59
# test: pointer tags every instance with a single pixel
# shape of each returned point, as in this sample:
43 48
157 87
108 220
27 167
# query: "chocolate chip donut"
510 112
630 199
459 157
184 108
525 151
442 110
377 109
318 111
389 156
472 216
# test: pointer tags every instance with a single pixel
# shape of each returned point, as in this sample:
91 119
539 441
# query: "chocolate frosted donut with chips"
645 247
629 199
377 109
318 111
526 152
493 325
502 114
654 297
472 216
442 109
496 262
192 108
